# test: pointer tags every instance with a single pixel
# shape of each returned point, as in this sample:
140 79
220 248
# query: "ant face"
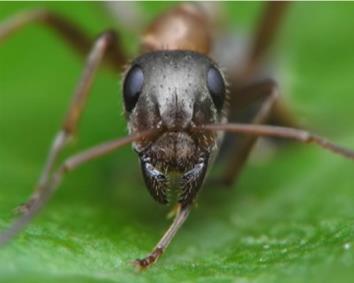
175 91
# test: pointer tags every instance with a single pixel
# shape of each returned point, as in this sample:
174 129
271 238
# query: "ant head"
174 90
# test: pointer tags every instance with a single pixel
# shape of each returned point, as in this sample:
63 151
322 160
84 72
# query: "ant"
177 103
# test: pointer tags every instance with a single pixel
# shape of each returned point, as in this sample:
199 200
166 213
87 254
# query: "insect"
177 103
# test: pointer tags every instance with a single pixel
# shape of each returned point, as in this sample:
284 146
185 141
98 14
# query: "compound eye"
216 86
133 84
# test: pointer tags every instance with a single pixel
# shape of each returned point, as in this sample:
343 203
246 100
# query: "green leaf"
288 219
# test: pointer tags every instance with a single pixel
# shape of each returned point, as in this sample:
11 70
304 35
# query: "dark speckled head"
174 90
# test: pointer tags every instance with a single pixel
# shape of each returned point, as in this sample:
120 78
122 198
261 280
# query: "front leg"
192 180
102 46
267 93
156 181
159 249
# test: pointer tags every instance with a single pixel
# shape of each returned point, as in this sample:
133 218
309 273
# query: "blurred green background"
290 219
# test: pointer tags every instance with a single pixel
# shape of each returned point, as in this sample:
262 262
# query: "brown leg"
166 239
273 109
73 35
265 33
49 187
281 132
265 91
101 46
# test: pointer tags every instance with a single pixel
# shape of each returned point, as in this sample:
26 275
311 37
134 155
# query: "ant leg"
267 92
282 132
166 239
266 30
264 34
273 109
50 185
101 46
69 32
